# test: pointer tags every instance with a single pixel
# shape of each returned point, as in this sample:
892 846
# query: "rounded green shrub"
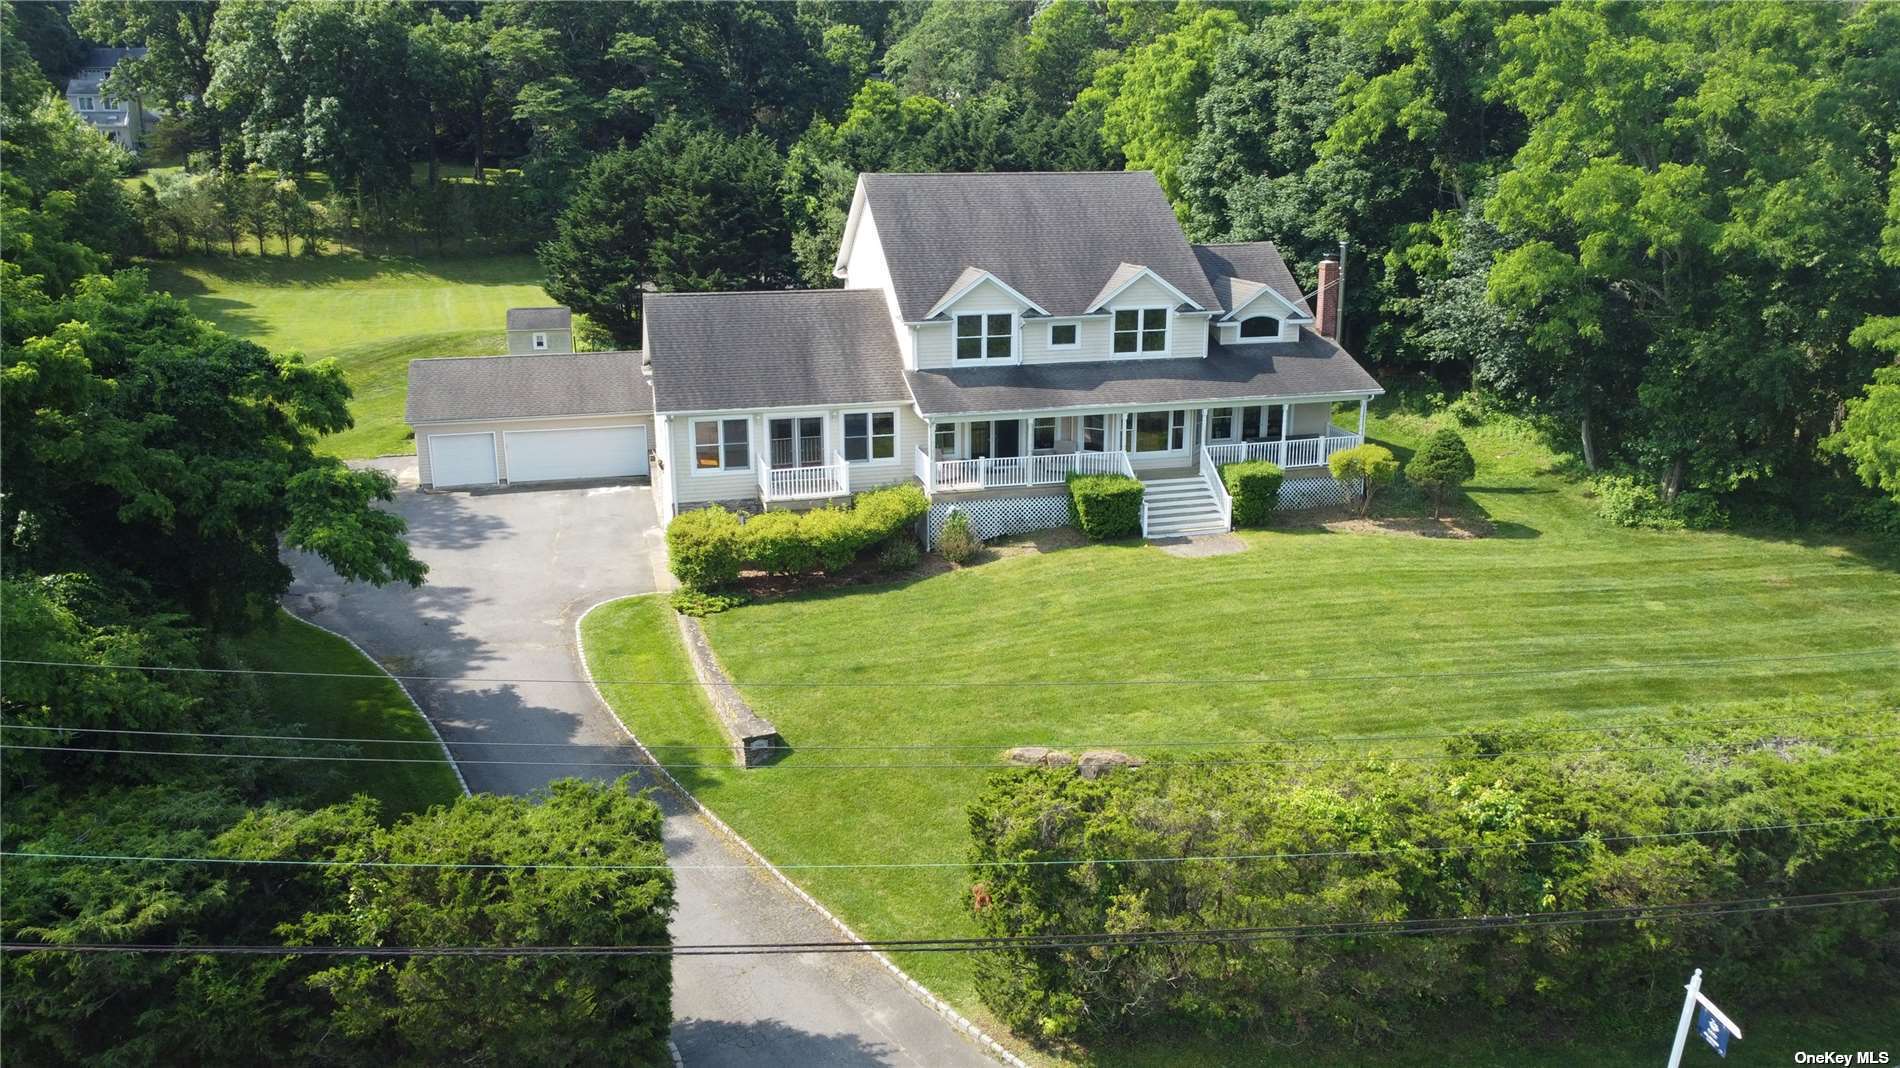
1106 506
703 547
956 542
1441 465
777 542
1366 469
833 536
1255 487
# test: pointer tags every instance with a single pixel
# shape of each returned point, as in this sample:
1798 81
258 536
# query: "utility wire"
1235 680
933 766
1166 743
1436 926
1052 862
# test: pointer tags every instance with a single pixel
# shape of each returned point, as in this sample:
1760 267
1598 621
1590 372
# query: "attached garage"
511 420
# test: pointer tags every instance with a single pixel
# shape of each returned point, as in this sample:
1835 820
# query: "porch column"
1362 418
1200 441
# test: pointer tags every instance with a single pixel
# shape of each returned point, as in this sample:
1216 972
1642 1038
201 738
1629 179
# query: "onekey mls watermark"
1859 1056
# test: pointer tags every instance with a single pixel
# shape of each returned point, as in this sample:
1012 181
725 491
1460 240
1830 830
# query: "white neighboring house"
540 330
995 332
125 122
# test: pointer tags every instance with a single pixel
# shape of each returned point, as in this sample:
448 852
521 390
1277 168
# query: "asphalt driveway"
509 573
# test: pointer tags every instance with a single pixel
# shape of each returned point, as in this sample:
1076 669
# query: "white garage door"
462 459
595 452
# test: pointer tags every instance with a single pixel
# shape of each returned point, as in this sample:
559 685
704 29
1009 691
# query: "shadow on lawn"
343 267
731 1041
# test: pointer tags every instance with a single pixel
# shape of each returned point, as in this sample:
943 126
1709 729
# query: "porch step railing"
805 483
1003 472
1210 473
1293 452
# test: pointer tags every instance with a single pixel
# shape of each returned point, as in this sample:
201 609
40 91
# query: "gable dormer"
1263 302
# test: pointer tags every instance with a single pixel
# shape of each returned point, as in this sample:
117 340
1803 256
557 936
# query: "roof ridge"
755 292
526 356
1234 244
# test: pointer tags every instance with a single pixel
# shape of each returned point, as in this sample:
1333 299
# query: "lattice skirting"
994 517
1297 493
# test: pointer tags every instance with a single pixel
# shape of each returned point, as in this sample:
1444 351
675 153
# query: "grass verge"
372 706
635 639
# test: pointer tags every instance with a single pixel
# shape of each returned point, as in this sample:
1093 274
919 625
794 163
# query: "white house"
125 122
995 332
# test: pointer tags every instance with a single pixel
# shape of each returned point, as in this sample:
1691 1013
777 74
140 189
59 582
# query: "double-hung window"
540 342
721 445
944 440
1141 330
1042 434
870 436
1220 424
1164 431
985 337
1095 433
87 103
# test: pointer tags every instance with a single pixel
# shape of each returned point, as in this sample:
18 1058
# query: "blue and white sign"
1710 1027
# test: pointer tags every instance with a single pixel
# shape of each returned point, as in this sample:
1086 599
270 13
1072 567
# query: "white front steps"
1178 507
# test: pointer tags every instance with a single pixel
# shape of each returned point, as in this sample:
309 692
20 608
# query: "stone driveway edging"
754 739
411 698
918 990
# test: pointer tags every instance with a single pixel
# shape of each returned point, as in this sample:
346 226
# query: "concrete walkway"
510 573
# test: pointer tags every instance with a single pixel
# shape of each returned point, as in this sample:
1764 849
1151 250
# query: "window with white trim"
540 341
1095 433
87 103
870 436
944 440
1256 326
1042 434
1163 431
1063 336
985 337
722 445
1220 424
1141 330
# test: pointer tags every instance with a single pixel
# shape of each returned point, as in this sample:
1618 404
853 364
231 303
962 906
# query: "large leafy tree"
688 209
176 71
959 49
1148 96
142 440
1698 209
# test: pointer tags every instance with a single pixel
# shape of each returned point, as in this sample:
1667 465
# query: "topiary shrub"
1441 465
777 542
1255 487
833 537
898 554
703 547
956 542
1370 466
1106 506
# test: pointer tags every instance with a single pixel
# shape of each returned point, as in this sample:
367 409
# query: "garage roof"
463 388
776 349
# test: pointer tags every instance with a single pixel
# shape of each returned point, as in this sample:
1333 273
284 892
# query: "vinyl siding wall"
936 342
521 342
501 426
693 487
866 268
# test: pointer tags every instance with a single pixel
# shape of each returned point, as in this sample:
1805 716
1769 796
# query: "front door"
996 439
798 441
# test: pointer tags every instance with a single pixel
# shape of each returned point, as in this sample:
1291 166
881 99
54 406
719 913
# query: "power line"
1434 926
112 858
1166 743
1235 680
932 766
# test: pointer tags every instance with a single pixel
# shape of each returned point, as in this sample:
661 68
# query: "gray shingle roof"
1307 367
780 349
526 387
1055 238
99 58
1253 261
555 318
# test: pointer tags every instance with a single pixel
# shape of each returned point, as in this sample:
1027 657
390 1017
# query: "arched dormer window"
1260 326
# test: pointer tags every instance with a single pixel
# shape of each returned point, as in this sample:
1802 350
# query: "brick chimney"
1326 301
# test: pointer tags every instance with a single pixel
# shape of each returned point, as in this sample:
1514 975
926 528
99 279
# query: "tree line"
156 469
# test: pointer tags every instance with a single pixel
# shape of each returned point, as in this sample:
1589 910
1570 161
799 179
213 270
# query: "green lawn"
633 639
372 313
369 707
1448 627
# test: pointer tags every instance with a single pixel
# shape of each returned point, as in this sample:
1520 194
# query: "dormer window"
1260 326
985 337
1141 330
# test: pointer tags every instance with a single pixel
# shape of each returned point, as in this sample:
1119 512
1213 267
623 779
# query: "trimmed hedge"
1106 506
1255 487
709 547
1384 839
703 547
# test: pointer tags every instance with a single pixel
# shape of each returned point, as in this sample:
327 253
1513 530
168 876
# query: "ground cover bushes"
1106 506
1438 838
1255 487
708 547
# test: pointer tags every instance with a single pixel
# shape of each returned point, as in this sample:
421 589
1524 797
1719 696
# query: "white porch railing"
1293 452
1210 473
1000 472
805 483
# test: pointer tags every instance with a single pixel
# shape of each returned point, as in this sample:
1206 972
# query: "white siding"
692 487
501 426
936 342
866 268
1311 418
1187 336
